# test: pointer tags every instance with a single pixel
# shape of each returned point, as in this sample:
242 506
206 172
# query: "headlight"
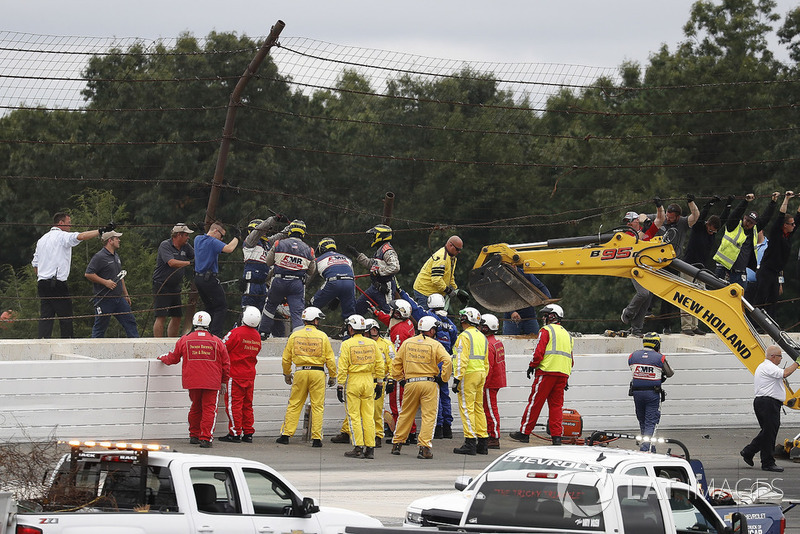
414 516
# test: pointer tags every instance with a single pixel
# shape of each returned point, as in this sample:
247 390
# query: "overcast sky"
585 32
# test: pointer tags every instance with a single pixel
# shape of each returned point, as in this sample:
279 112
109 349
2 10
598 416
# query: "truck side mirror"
308 507
462 482
738 523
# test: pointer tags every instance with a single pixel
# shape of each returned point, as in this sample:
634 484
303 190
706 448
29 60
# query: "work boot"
341 437
231 439
357 452
205 444
483 446
519 436
556 440
469 447
412 439
369 453
437 432
378 442
387 431
283 439
247 438
194 440
316 443
447 432
425 453
396 448
494 443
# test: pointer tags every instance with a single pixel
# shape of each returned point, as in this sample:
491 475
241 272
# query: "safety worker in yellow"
417 363
470 366
386 349
361 373
309 349
438 275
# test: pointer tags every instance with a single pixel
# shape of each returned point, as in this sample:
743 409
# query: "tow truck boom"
496 284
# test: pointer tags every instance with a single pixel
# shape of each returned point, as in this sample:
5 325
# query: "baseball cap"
181 227
108 235
631 215
752 215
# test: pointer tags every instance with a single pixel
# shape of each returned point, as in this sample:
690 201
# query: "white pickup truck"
133 489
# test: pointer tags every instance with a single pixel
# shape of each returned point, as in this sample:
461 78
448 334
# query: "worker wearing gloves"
417 364
204 371
438 275
383 267
310 351
650 369
243 344
552 364
495 377
256 271
336 270
470 365
361 372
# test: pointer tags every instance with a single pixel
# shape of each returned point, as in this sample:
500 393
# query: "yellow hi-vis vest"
476 359
558 352
731 245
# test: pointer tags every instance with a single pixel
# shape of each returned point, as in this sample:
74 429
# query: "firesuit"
383 266
417 362
552 361
293 262
470 353
495 380
256 271
310 351
361 367
243 344
336 270
648 368
206 366
399 331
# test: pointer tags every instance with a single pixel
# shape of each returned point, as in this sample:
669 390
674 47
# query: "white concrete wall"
115 389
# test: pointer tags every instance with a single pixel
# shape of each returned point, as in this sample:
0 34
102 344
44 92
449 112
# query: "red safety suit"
243 344
495 379
206 366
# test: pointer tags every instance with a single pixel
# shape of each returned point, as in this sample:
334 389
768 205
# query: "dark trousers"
55 301
767 290
768 413
213 297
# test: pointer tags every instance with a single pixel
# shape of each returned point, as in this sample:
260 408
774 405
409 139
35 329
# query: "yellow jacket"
437 274
470 353
359 354
386 348
420 356
308 346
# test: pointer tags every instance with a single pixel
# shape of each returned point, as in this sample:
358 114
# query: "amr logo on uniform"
713 321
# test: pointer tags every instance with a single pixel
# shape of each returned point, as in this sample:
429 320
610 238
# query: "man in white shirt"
51 262
769 397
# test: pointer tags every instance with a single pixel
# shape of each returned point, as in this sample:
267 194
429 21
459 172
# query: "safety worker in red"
649 369
243 344
386 350
309 349
204 371
552 364
470 365
401 327
383 267
495 377
361 371
417 363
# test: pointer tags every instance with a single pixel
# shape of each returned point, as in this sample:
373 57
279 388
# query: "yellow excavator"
497 284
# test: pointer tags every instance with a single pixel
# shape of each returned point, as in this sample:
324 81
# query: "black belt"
420 379
288 276
645 388
310 368
340 277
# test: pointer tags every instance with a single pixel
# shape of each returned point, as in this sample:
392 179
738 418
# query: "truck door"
217 504
276 508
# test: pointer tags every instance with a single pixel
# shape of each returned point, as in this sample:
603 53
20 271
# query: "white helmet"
403 307
372 323
251 316
491 322
426 323
470 315
552 309
435 301
356 322
311 313
201 319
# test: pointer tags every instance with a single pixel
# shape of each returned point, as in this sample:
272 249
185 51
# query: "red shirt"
206 364
399 331
243 344
496 377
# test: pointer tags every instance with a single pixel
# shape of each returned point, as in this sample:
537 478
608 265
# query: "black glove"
378 391
340 393
689 197
352 250
235 232
281 218
402 383
107 228
448 290
730 199
456 382
389 386
438 380
531 370
713 200
658 202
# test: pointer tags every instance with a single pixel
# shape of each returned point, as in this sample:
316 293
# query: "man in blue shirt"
207 248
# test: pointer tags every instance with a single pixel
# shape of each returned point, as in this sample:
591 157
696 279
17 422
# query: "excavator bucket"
501 288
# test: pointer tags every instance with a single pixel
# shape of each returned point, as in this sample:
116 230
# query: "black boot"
556 440
369 453
447 432
437 432
483 446
357 452
469 447
412 439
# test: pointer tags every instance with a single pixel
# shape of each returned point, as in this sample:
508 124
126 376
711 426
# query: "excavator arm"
495 282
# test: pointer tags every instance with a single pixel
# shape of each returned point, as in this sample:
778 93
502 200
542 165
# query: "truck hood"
331 516
453 502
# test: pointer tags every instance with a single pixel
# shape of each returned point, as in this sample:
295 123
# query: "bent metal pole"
233 105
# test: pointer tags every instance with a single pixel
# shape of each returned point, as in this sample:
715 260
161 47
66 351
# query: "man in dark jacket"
769 277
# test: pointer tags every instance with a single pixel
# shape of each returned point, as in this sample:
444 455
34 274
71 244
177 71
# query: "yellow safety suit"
437 274
470 366
417 362
310 351
361 366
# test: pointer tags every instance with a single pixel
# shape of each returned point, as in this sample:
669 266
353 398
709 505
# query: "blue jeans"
116 305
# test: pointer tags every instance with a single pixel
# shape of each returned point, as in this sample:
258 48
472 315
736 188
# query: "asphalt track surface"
383 487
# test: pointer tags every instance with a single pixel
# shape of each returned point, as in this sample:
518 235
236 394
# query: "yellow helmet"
296 228
326 244
381 232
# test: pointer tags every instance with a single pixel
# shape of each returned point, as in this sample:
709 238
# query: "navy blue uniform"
337 271
647 367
